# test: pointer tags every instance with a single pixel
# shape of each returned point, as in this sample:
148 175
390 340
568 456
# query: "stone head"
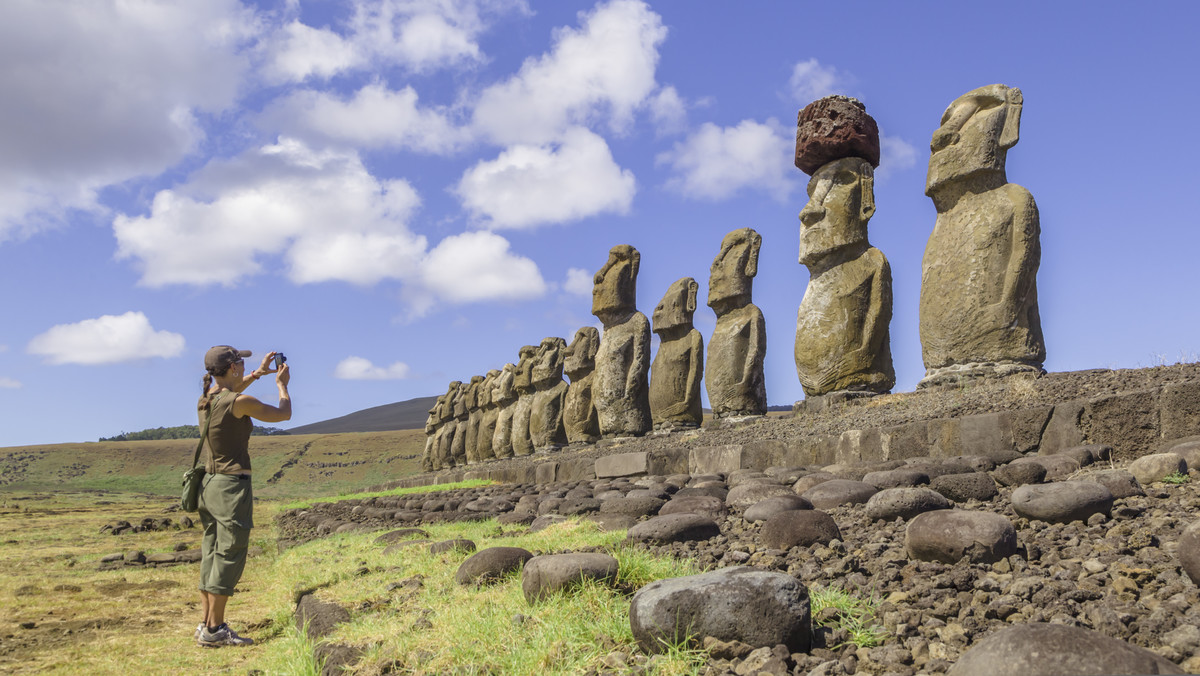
435 413
527 354
614 293
548 365
447 400
472 392
975 134
731 278
841 200
485 388
677 306
580 355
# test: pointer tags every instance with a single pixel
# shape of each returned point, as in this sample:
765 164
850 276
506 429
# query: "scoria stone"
833 128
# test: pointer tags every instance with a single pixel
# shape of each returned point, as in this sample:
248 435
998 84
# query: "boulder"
713 490
612 521
947 535
963 487
756 607
1150 468
662 530
1058 467
1189 552
317 618
1189 451
635 506
552 573
1062 501
1019 474
491 564
704 505
809 480
839 492
894 478
765 509
799 528
455 545
1119 482
904 503
746 494
545 521
1039 649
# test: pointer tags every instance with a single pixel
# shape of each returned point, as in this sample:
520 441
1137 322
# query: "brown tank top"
228 436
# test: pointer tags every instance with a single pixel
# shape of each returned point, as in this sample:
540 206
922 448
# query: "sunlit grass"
856 614
470 483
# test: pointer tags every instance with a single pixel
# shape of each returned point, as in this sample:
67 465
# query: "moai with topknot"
734 370
549 396
678 368
579 413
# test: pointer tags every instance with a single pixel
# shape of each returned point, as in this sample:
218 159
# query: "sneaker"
223 636
199 628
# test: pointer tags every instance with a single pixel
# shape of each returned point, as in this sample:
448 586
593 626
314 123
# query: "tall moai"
432 422
979 311
678 368
734 370
523 384
490 411
474 416
458 446
549 396
444 458
505 396
621 388
842 341
579 411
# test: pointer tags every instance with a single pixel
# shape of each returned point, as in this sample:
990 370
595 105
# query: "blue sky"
398 193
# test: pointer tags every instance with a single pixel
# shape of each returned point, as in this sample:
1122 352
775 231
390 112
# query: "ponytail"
205 398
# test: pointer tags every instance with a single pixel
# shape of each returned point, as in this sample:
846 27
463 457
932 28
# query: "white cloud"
357 368
9 383
811 81
328 217
373 117
108 339
668 112
605 66
527 186
895 154
715 162
476 266
579 282
96 93
297 51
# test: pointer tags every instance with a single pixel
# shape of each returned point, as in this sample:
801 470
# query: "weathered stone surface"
489 412
799 528
750 493
317 618
842 338
504 396
1041 649
963 487
621 389
904 503
664 529
832 128
546 428
978 308
804 483
895 478
544 521
1019 474
474 417
1058 466
622 465
704 505
734 369
948 535
400 534
611 522
491 564
752 606
1179 410
633 506
522 443
715 459
455 545
1150 468
769 507
1188 552
1062 501
828 494
678 369
1188 450
545 575
1119 482
579 409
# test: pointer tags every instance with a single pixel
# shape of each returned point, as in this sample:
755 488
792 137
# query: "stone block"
576 469
1179 410
546 472
910 440
1127 421
1063 430
668 461
621 465
859 445
475 475
715 459
1027 426
764 454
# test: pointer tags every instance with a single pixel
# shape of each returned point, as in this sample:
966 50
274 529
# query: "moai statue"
979 311
678 368
504 395
523 384
621 390
458 446
579 412
842 342
474 415
444 458
432 422
487 421
734 370
549 396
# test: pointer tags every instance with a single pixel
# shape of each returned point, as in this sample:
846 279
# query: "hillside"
402 415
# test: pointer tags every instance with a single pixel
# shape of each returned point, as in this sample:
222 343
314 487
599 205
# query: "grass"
856 615
470 483
1176 478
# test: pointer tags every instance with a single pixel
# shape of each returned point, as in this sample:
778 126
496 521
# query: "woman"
226 501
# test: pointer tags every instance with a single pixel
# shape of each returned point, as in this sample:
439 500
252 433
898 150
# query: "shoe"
199 628
223 636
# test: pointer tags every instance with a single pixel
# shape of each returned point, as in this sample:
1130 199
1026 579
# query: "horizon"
401 194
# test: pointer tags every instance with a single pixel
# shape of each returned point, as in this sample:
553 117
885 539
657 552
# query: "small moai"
549 396
444 458
505 396
842 342
979 311
734 369
621 389
474 416
678 368
432 422
579 411
487 420
523 383
458 446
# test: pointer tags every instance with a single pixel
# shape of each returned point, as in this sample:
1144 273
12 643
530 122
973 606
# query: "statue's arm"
639 364
695 367
758 343
1024 256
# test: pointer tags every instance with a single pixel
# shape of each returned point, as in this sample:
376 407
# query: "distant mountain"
402 415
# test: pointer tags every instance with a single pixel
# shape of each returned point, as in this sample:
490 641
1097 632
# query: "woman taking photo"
226 500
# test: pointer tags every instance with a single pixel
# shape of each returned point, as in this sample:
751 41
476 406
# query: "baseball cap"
219 358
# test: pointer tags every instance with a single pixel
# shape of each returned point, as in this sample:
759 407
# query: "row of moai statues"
978 307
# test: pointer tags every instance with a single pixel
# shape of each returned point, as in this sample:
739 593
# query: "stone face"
1189 552
734 369
904 503
491 564
579 409
1042 649
621 390
678 368
545 575
1150 468
947 535
665 529
522 444
828 494
799 528
755 607
1062 502
832 128
546 428
978 308
842 338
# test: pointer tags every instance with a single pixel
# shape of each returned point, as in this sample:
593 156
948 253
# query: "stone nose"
943 138
812 213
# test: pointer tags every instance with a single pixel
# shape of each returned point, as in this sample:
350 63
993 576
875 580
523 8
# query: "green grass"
1176 478
470 483
856 615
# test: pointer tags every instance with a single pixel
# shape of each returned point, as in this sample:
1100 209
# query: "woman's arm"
262 370
249 406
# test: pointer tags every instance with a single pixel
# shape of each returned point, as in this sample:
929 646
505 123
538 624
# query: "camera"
279 360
